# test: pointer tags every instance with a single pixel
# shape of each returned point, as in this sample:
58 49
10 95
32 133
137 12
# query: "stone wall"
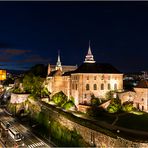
18 98
93 137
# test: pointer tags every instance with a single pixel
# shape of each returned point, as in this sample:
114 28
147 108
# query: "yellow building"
90 78
2 75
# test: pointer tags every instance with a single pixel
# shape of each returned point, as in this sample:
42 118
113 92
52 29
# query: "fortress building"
90 78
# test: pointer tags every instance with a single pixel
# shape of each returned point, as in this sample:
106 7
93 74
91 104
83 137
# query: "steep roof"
68 73
142 84
55 73
96 68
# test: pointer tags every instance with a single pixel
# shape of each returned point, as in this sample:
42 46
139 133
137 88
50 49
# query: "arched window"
108 86
95 87
115 86
102 86
87 86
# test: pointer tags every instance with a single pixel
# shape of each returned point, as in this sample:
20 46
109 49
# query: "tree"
68 105
8 81
115 105
127 106
109 94
94 100
59 98
38 70
45 92
33 84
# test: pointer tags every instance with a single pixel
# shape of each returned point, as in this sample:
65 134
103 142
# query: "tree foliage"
45 92
59 98
38 70
8 81
127 106
33 84
109 95
95 101
115 106
68 105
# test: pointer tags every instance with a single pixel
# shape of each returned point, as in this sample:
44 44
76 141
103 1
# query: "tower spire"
58 65
89 58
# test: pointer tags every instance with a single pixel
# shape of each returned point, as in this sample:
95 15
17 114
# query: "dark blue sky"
33 32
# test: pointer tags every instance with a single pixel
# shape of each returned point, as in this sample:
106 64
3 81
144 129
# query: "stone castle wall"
93 137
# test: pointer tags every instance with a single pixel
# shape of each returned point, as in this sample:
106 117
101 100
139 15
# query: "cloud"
5 59
14 51
34 59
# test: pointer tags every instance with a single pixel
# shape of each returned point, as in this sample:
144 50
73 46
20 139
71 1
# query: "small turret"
58 65
89 57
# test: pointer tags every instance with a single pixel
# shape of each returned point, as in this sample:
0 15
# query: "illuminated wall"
141 101
94 82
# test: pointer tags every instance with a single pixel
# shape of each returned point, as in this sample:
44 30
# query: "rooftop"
96 68
142 84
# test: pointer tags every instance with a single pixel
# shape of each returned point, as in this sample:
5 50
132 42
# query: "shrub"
59 98
109 95
115 106
127 106
69 104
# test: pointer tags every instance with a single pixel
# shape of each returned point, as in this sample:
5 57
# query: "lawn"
131 121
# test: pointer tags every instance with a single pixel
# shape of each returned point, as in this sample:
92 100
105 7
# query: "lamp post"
49 130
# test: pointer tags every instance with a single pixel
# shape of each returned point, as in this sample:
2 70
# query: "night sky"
33 32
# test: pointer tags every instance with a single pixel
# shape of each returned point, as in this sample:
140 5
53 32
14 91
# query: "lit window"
108 86
95 87
102 86
87 86
115 86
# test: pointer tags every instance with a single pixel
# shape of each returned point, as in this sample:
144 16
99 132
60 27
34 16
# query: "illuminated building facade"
90 78
139 96
2 75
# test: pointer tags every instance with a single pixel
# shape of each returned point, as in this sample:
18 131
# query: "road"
29 140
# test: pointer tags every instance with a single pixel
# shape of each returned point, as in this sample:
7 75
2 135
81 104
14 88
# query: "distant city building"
2 75
88 79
